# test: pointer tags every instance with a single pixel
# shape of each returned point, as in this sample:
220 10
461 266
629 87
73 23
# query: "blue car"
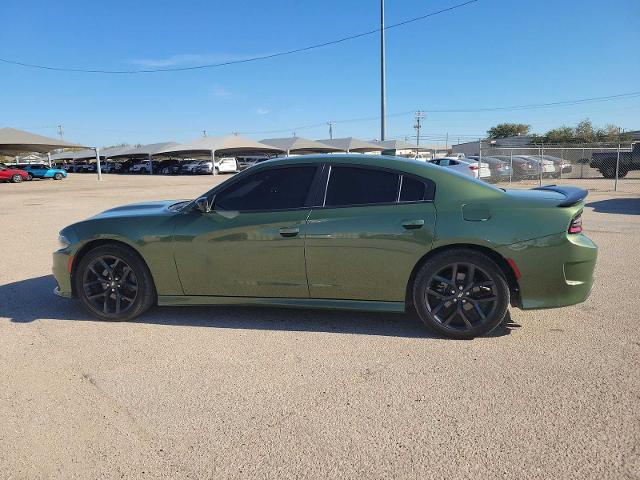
43 171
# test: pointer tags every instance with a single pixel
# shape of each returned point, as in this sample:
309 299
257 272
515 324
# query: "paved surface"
270 393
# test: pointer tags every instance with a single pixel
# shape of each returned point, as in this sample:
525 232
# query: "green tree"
584 131
504 130
562 134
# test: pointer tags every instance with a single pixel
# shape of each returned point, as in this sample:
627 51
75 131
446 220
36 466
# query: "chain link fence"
594 167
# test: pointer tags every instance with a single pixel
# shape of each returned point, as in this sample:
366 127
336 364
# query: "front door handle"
289 231
413 224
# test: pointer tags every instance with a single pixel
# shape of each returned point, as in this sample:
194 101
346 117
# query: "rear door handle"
289 231
413 224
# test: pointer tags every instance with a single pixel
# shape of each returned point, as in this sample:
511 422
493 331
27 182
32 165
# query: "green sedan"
351 232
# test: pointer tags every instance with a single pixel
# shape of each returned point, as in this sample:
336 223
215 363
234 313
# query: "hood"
142 209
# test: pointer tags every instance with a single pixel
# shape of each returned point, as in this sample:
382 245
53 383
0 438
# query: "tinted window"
271 189
359 186
412 190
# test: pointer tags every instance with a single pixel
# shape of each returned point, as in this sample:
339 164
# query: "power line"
245 60
472 110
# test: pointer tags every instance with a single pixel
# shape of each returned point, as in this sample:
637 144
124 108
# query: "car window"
453 162
412 190
360 186
269 189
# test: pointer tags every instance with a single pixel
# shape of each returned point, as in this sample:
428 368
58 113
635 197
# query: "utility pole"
204 133
330 130
383 93
418 126
61 132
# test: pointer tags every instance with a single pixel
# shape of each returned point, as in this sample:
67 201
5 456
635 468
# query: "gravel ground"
272 393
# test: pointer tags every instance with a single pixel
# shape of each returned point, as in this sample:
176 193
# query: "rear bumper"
60 269
556 271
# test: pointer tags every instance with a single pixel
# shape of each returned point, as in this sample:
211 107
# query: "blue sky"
488 54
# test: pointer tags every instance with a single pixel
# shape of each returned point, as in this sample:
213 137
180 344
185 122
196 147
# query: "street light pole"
383 93
330 130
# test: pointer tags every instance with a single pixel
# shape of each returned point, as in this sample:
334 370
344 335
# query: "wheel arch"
502 263
90 245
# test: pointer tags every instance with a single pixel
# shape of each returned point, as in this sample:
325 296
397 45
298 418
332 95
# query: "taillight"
473 167
576 224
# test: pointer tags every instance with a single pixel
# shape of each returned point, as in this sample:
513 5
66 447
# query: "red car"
11 174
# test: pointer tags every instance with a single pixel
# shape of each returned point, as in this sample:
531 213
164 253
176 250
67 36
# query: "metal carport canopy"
13 142
143 151
299 145
226 145
396 145
350 144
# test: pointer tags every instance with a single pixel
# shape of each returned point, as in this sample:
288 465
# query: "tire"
608 172
461 308
622 173
57 176
99 291
16 178
29 177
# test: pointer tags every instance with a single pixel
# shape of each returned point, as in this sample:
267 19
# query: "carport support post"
150 166
49 158
511 168
213 162
540 153
561 161
98 166
615 184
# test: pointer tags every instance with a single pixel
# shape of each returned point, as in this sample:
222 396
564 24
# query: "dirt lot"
271 393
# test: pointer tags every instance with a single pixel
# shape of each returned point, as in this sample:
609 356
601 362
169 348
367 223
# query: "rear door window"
360 186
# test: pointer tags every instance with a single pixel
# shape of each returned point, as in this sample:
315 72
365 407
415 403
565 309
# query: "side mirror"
203 205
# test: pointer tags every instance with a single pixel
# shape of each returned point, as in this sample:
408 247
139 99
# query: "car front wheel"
29 177
461 293
57 176
16 178
113 283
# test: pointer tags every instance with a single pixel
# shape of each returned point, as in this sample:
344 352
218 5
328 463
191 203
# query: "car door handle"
289 231
413 224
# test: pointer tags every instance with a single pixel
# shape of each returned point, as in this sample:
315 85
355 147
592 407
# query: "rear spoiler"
573 194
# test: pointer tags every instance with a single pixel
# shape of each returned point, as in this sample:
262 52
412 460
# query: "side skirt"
360 305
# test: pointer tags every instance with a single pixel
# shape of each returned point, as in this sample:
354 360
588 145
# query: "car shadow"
625 206
33 299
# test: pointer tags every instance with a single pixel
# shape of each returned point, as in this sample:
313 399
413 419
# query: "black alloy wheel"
461 293
114 283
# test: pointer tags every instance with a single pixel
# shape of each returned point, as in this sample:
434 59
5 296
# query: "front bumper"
556 271
61 262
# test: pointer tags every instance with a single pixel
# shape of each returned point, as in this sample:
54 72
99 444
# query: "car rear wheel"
16 178
461 293
113 283
57 176
29 177
608 172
